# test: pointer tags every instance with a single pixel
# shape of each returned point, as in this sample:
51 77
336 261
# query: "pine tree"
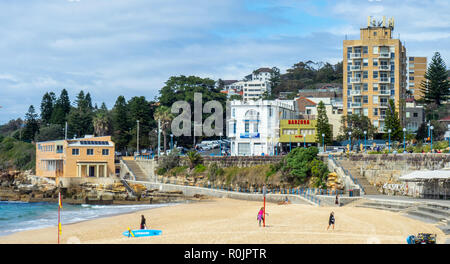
31 124
80 117
47 105
392 122
436 87
121 124
323 126
61 109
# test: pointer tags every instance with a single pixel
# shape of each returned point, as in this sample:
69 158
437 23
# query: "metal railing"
355 181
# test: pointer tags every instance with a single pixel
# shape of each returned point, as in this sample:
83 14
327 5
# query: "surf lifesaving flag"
59 215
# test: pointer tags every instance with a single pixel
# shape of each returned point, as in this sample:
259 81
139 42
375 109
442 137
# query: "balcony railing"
382 117
355 92
384 67
355 104
384 80
384 104
355 80
355 55
385 92
355 68
384 56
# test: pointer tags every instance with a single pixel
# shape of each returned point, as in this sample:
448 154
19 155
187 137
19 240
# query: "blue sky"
116 47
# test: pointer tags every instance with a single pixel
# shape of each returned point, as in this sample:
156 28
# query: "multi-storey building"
374 70
253 126
416 68
82 157
252 87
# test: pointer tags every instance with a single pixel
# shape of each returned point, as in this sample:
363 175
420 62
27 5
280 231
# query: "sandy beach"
234 221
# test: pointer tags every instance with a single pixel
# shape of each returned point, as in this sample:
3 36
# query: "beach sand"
225 221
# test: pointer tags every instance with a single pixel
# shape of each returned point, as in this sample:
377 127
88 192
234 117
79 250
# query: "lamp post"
304 140
389 131
349 141
365 133
323 142
404 139
137 136
431 137
220 143
171 142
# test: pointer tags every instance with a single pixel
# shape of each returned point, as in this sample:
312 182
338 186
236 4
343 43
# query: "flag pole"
264 211
59 207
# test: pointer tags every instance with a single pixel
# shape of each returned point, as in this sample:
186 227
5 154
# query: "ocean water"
21 216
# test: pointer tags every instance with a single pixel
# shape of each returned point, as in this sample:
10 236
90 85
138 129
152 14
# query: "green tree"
323 126
31 125
141 109
61 109
392 122
356 124
47 104
194 159
50 132
121 124
80 117
164 115
436 87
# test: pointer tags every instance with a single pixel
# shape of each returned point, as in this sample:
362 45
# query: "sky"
131 47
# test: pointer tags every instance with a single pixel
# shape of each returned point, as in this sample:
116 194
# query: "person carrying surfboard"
143 222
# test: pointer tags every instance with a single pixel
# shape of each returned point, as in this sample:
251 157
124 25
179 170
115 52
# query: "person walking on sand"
331 220
143 222
260 216
337 199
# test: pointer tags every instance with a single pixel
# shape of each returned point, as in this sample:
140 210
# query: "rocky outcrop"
17 186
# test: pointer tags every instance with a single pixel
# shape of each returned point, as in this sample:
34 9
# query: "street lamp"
431 137
365 133
137 136
290 142
304 140
404 139
220 143
349 140
323 142
389 131
171 143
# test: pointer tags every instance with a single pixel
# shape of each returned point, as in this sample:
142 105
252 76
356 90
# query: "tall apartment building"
416 68
374 70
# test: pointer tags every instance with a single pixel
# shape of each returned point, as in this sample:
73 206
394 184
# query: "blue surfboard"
143 233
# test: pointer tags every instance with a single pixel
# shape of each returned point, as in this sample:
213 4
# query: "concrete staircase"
356 173
137 171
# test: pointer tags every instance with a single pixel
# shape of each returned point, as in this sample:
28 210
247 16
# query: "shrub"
199 168
169 162
194 159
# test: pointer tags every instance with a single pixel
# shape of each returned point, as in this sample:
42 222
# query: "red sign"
298 122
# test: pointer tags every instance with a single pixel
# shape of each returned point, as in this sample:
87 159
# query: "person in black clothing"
331 220
143 222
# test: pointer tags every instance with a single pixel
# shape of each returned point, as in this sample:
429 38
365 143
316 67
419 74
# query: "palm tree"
194 158
101 124
164 115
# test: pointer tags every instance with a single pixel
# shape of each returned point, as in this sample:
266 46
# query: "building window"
234 128
365 86
365 62
408 115
374 33
105 152
59 149
366 111
375 50
365 50
75 152
90 152
375 74
375 86
375 99
365 74
411 58
375 111
375 62
411 78
289 131
415 114
365 99
247 125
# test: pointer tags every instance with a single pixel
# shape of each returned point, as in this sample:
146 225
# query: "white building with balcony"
253 126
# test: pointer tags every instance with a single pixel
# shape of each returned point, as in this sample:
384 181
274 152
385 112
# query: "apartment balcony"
384 80
382 117
355 92
356 105
384 67
355 68
355 55
384 104
385 92
355 80
384 56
